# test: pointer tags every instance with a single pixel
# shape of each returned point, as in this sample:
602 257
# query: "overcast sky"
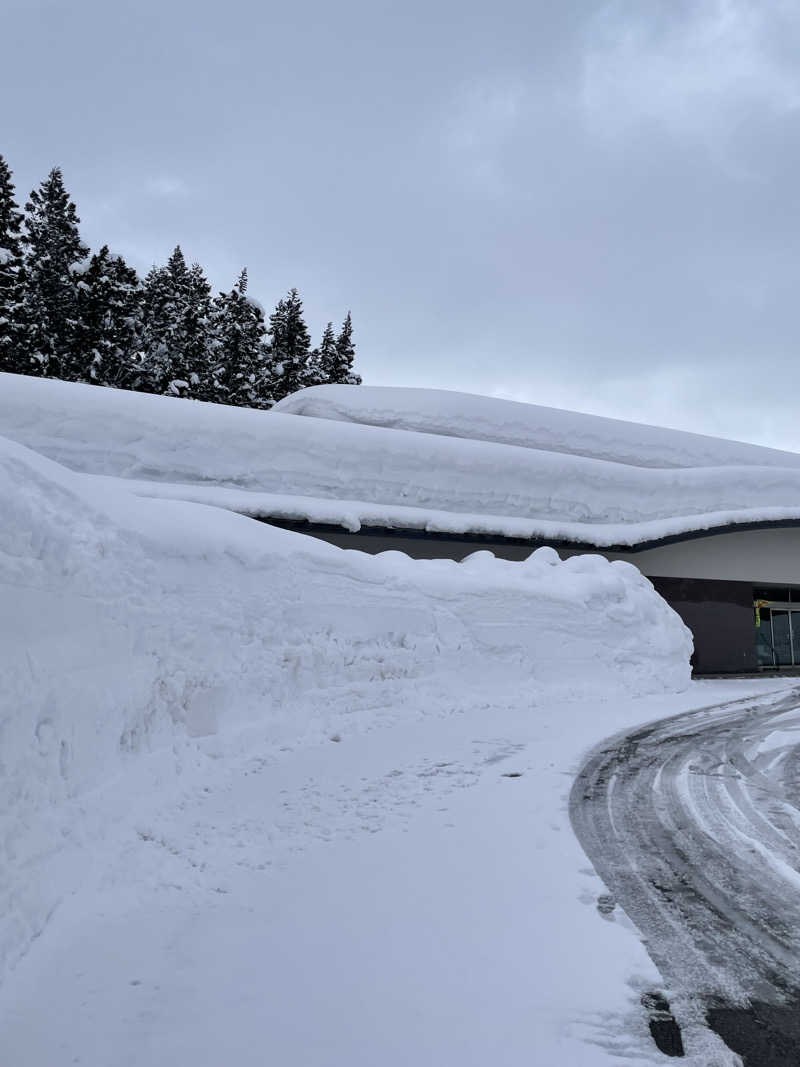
591 205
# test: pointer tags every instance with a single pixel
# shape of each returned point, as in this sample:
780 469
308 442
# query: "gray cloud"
589 205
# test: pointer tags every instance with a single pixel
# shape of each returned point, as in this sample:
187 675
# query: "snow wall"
140 634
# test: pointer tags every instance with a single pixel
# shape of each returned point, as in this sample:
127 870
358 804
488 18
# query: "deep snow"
288 466
130 625
266 801
484 418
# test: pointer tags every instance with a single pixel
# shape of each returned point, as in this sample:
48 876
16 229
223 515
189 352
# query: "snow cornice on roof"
301 513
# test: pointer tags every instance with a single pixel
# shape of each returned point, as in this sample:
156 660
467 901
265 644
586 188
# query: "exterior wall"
760 557
720 616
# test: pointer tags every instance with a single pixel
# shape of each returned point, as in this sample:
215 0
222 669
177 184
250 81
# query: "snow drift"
484 418
284 466
136 629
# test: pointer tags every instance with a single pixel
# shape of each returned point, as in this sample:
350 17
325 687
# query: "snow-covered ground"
266 801
391 898
291 467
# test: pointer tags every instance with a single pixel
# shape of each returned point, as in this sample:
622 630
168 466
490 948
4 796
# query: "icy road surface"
693 823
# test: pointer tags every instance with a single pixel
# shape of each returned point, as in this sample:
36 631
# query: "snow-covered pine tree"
328 356
164 315
193 363
290 346
106 335
12 327
53 247
155 319
264 392
343 373
238 365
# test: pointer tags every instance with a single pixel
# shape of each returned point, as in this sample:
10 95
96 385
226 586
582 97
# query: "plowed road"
693 823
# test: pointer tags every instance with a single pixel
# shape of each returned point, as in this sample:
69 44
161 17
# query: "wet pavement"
693 823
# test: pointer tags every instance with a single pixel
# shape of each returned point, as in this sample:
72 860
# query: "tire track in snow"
693 823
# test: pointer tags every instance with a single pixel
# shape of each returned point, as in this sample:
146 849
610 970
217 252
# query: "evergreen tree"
155 293
328 356
163 317
53 248
238 368
62 315
158 330
12 330
343 373
176 330
290 346
191 365
106 334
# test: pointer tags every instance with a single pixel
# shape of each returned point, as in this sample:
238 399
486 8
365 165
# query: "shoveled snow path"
389 898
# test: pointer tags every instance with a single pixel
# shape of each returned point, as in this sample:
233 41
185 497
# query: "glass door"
764 651
782 637
777 627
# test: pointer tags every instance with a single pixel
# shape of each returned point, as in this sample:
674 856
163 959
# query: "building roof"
555 476
485 418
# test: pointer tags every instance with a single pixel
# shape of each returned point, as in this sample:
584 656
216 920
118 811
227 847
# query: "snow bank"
137 628
484 418
284 466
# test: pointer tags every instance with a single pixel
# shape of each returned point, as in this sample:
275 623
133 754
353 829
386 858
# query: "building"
731 573
714 524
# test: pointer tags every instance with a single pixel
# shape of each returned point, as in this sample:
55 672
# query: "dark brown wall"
720 616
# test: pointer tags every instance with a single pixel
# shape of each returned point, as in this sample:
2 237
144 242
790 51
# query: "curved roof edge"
329 514
416 533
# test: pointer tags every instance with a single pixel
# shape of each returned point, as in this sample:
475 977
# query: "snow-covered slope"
132 626
285 466
484 418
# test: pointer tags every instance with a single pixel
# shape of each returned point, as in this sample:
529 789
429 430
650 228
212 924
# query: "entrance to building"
777 616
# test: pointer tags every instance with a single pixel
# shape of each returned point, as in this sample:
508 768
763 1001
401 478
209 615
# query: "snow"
265 800
255 304
288 466
483 418
254 788
352 515
162 620
81 267
390 898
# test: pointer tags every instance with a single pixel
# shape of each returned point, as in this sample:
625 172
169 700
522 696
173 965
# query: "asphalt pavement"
693 823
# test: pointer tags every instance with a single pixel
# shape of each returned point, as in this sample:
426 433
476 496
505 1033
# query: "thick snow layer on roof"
353 515
137 625
286 466
484 418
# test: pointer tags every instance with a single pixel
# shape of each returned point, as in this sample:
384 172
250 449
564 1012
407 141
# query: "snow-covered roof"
485 418
284 466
